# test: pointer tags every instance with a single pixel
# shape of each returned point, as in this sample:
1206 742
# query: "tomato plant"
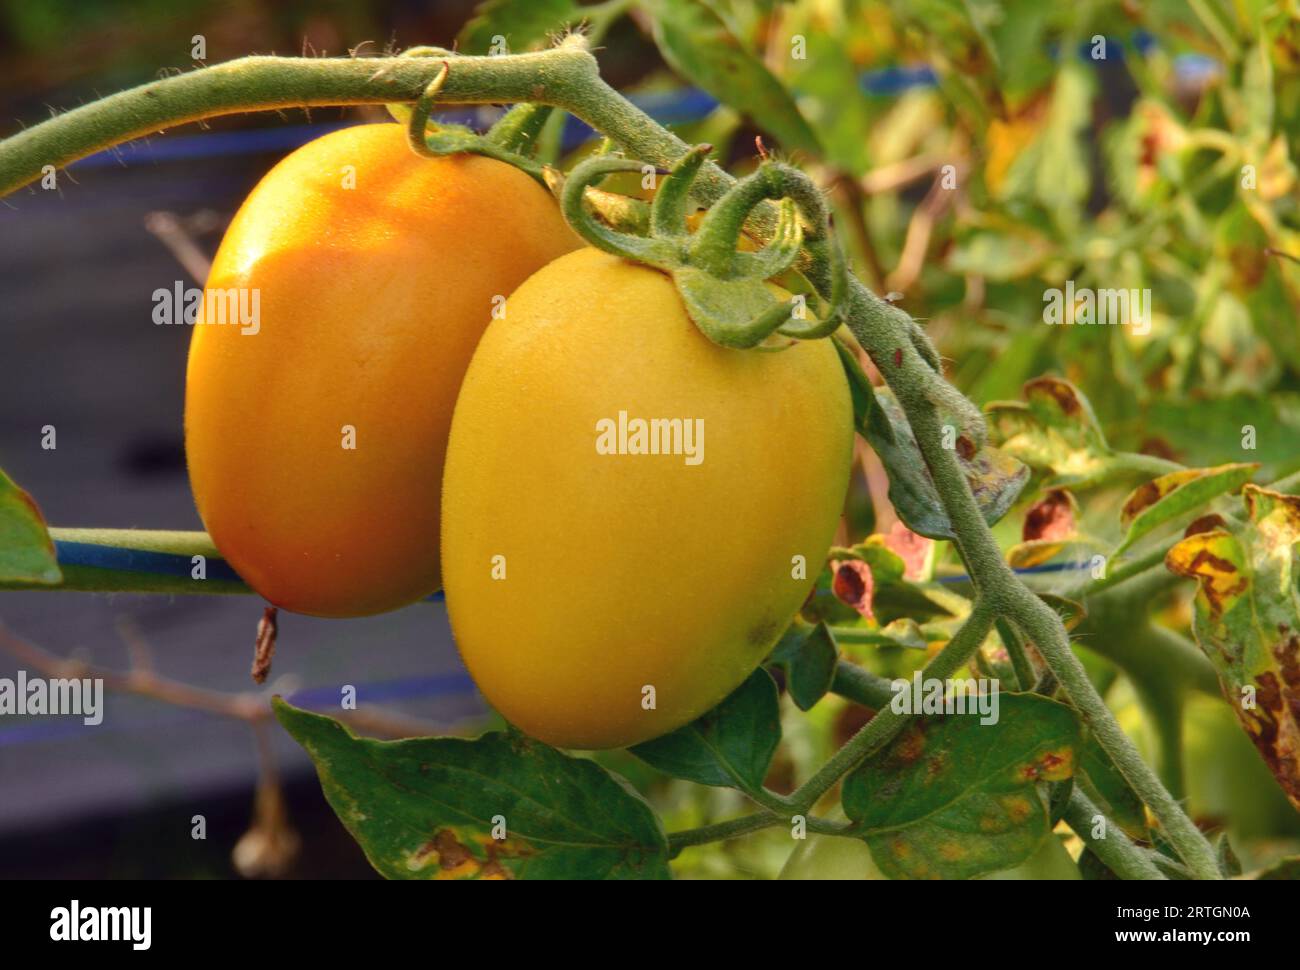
609 385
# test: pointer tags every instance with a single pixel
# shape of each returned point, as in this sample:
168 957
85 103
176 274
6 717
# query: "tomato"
601 596
316 435
835 857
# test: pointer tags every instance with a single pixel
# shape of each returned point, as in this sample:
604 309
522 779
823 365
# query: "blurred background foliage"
977 153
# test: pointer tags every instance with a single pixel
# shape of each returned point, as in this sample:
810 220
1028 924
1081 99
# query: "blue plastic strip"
122 559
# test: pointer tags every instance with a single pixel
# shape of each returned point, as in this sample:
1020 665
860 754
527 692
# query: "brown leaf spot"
1017 808
910 746
1050 518
952 851
1205 523
1272 727
853 584
1218 578
935 766
1058 390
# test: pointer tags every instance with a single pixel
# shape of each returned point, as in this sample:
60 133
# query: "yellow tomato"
316 425
602 596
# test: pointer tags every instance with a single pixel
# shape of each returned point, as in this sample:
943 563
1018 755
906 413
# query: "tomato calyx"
725 288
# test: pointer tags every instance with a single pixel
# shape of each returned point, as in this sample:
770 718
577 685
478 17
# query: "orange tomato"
316 424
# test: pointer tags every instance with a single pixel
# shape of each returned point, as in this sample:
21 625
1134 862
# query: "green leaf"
1171 496
699 46
952 798
1229 864
729 747
867 416
1285 868
1063 173
436 808
995 476
525 24
808 655
1092 868
1256 99
1054 430
26 550
903 632
1246 617
999 256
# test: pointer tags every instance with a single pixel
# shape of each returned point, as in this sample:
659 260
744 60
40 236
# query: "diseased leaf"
1052 517
852 584
995 477
501 806
952 798
729 747
916 551
699 46
1171 496
1027 555
26 551
1247 621
1053 431
887 566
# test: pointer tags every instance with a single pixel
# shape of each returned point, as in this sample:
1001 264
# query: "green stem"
861 686
736 827
157 572
276 83
719 831
1024 670
1115 849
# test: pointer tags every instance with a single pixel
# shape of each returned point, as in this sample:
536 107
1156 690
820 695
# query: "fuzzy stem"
1116 850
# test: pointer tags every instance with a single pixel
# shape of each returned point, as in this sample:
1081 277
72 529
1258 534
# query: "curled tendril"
510 140
418 124
724 286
